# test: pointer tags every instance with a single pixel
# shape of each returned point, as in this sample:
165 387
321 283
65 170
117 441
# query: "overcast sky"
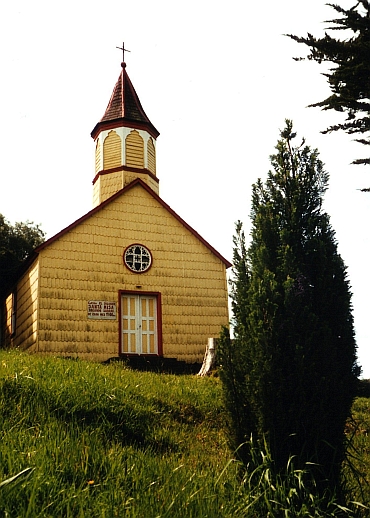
216 79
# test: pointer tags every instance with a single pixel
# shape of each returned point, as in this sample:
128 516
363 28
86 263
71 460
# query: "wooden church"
130 277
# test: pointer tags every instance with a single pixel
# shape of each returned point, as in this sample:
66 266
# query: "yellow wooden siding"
112 152
96 192
25 335
86 264
153 184
129 176
109 185
134 150
151 156
97 157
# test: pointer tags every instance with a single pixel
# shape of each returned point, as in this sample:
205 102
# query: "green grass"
106 441
357 468
90 440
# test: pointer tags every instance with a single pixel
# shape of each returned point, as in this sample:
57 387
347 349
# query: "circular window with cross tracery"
137 258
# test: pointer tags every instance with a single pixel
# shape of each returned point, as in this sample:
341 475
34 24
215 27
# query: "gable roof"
124 108
121 192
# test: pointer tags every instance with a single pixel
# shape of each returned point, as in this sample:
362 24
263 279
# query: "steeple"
125 143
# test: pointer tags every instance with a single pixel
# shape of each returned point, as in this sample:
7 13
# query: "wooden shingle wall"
109 185
130 176
27 308
96 192
23 331
86 264
97 156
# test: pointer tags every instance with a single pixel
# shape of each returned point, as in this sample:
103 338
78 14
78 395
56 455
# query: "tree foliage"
16 244
290 373
349 78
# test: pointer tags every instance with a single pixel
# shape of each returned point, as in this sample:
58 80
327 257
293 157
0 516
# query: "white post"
209 357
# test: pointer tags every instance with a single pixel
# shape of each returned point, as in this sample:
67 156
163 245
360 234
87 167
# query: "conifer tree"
349 77
290 373
232 355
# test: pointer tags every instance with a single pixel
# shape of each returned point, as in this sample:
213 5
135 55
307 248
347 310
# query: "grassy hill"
91 440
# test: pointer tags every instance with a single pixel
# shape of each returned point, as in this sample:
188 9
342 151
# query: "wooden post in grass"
209 358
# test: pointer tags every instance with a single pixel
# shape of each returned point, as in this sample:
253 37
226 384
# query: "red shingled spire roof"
124 108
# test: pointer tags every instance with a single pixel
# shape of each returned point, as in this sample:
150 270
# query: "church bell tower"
125 143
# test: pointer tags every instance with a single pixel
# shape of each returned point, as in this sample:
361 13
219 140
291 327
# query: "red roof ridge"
119 193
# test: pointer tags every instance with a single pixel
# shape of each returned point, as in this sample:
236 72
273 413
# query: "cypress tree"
233 357
290 373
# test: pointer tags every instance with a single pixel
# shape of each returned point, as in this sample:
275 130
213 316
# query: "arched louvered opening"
97 156
151 156
134 150
112 154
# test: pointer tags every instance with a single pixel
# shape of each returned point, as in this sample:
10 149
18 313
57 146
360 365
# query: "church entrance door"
139 333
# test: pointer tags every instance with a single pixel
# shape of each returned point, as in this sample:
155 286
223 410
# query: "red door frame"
158 296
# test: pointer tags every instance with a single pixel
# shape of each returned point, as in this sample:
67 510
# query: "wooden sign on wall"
101 310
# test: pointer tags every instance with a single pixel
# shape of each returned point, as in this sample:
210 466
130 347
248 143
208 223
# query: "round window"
137 258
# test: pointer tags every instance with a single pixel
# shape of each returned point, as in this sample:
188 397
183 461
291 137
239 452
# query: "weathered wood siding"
109 185
97 157
23 332
112 152
151 156
86 264
96 192
130 176
27 309
134 150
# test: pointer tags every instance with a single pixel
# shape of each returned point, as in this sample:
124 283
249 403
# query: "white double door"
139 324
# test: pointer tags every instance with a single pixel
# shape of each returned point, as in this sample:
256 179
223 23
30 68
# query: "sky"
217 80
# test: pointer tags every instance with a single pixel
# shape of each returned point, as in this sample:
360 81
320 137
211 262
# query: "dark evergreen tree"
290 373
349 79
232 356
16 244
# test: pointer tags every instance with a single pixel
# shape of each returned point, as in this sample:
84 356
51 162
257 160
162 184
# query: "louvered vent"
151 156
112 156
134 150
